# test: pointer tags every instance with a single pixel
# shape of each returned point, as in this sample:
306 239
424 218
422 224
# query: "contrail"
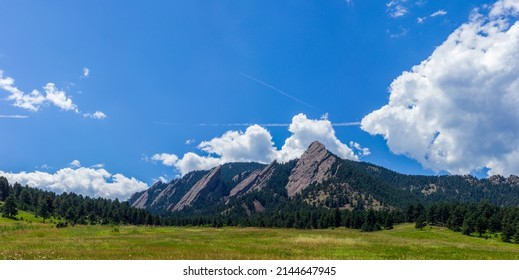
346 124
279 91
249 124
13 117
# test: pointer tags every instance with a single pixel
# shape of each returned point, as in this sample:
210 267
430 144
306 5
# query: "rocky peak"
314 166
513 180
315 148
497 179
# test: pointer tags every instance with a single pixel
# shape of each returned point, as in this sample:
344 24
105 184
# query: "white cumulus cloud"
457 110
166 159
255 145
305 131
36 99
59 98
75 163
191 161
86 181
504 8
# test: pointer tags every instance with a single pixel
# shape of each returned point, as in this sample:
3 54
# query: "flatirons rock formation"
204 186
314 166
255 181
319 178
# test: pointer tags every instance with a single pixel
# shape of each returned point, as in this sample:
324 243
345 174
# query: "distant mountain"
319 178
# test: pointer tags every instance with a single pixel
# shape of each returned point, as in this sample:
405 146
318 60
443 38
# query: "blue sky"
124 87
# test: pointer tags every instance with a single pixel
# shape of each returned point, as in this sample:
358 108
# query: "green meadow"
31 239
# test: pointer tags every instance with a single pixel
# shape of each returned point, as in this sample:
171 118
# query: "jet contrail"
13 117
346 124
279 91
249 124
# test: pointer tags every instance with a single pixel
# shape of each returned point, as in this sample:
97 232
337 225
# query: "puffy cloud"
305 131
255 145
457 110
85 181
191 161
166 159
75 163
34 100
362 152
504 8
59 98
97 115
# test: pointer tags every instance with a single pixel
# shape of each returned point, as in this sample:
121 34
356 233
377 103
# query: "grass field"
31 239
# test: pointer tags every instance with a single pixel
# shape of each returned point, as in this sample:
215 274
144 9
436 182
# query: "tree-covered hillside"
70 207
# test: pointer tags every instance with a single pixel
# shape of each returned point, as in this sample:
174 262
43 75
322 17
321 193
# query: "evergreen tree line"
295 216
73 208
481 219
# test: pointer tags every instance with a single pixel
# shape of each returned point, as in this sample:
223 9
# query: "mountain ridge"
318 178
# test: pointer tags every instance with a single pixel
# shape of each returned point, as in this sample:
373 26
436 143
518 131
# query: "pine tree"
508 232
337 219
43 209
4 188
469 225
10 208
516 234
25 199
420 222
388 222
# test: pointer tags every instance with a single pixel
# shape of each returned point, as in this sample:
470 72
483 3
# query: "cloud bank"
457 110
93 182
255 145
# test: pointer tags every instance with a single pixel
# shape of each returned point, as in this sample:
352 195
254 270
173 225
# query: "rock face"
314 166
513 180
208 181
255 181
145 198
497 179
195 186
141 201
